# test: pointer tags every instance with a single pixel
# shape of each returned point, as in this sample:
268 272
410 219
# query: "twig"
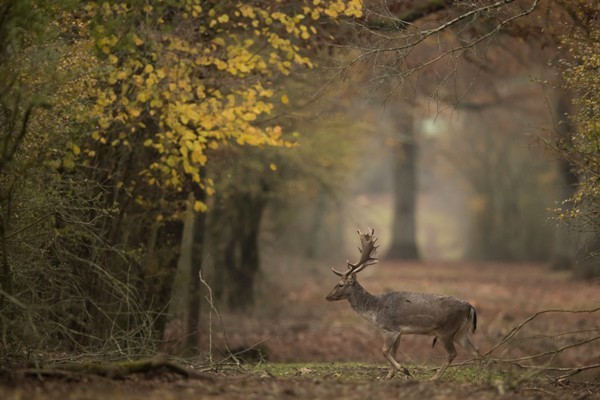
37 221
577 370
516 329
554 352
209 298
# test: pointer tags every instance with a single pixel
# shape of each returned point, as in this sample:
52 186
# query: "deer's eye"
341 284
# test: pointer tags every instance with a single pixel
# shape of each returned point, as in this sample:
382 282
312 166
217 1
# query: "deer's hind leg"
462 338
390 348
448 343
466 344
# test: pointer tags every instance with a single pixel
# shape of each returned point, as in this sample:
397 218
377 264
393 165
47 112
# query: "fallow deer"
448 319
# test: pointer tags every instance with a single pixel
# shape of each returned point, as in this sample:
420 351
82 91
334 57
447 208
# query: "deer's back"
423 313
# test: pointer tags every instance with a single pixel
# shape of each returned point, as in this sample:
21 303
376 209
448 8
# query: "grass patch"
350 371
357 371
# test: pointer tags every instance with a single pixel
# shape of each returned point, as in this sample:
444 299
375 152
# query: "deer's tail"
473 318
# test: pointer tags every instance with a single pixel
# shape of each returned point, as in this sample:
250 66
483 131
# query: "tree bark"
404 237
242 254
177 326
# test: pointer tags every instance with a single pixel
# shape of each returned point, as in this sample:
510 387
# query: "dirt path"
299 386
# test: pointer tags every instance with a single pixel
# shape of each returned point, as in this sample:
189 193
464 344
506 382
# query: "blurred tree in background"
480 56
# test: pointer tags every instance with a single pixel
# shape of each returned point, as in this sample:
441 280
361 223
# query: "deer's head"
343 288
367 257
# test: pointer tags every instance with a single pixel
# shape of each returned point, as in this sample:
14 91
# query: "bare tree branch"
516 329
425 34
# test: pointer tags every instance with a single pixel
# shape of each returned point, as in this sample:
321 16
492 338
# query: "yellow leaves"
134 112
264 92
198 157
76 150
137 40
220 64
331 12
247 11
151 80
156 103
187 113
144 96
208 122
304 34
196 10
200 206
180 93
219 41
184 84
249 116
354 9
221 19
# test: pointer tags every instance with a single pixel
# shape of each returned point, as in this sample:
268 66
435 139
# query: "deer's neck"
364 303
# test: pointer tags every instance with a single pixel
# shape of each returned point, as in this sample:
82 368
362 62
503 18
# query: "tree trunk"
177 326
235 227
404 238
242 254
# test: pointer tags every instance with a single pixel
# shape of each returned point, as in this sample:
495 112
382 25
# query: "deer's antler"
367 251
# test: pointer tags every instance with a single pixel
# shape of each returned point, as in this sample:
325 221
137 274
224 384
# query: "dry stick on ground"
114 370
553 353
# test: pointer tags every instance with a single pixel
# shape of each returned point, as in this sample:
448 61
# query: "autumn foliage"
182 78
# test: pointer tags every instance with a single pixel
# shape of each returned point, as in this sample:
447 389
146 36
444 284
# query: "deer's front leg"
390 347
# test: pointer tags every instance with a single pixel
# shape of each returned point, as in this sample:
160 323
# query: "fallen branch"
114 370
575 371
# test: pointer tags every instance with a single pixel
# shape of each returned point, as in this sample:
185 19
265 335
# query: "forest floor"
299 346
